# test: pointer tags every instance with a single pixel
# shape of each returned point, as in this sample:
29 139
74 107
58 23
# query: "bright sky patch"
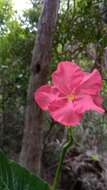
20 5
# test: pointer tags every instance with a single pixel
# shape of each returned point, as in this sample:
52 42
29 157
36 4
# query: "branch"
90 55
70 52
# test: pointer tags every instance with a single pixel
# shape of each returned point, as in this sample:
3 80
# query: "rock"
83 172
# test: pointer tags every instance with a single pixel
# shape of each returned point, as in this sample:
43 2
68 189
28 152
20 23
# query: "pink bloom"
71 93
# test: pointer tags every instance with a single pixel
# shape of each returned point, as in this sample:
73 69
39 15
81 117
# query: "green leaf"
15 177
95 157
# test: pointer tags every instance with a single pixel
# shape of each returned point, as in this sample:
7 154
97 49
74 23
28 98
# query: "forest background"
80 35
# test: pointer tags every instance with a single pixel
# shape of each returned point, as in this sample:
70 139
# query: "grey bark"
105 58
31 152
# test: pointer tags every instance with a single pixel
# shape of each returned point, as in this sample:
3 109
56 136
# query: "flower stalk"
65 148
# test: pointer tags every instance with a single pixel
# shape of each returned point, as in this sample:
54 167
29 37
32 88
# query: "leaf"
15 177
95 157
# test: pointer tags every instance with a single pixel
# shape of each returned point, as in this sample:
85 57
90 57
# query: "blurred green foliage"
81 35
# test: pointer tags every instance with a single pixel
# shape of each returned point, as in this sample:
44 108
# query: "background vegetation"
81 35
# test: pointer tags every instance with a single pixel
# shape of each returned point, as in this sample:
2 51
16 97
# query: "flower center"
71 97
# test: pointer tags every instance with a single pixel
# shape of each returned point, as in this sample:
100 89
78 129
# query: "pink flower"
71 93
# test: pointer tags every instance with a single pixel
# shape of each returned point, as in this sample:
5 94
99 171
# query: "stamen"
71 97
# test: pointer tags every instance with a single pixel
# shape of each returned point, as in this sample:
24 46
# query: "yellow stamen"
71 97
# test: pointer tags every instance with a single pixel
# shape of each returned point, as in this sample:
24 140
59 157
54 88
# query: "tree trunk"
105 58
31 152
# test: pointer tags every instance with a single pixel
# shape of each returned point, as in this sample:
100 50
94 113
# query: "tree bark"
105 58
31 152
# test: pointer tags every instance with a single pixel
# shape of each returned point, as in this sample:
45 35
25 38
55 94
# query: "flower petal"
98 100
86 103
67 76
45 95
62 112
91 83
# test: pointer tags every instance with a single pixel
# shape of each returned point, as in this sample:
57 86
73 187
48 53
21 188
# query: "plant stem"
61 159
